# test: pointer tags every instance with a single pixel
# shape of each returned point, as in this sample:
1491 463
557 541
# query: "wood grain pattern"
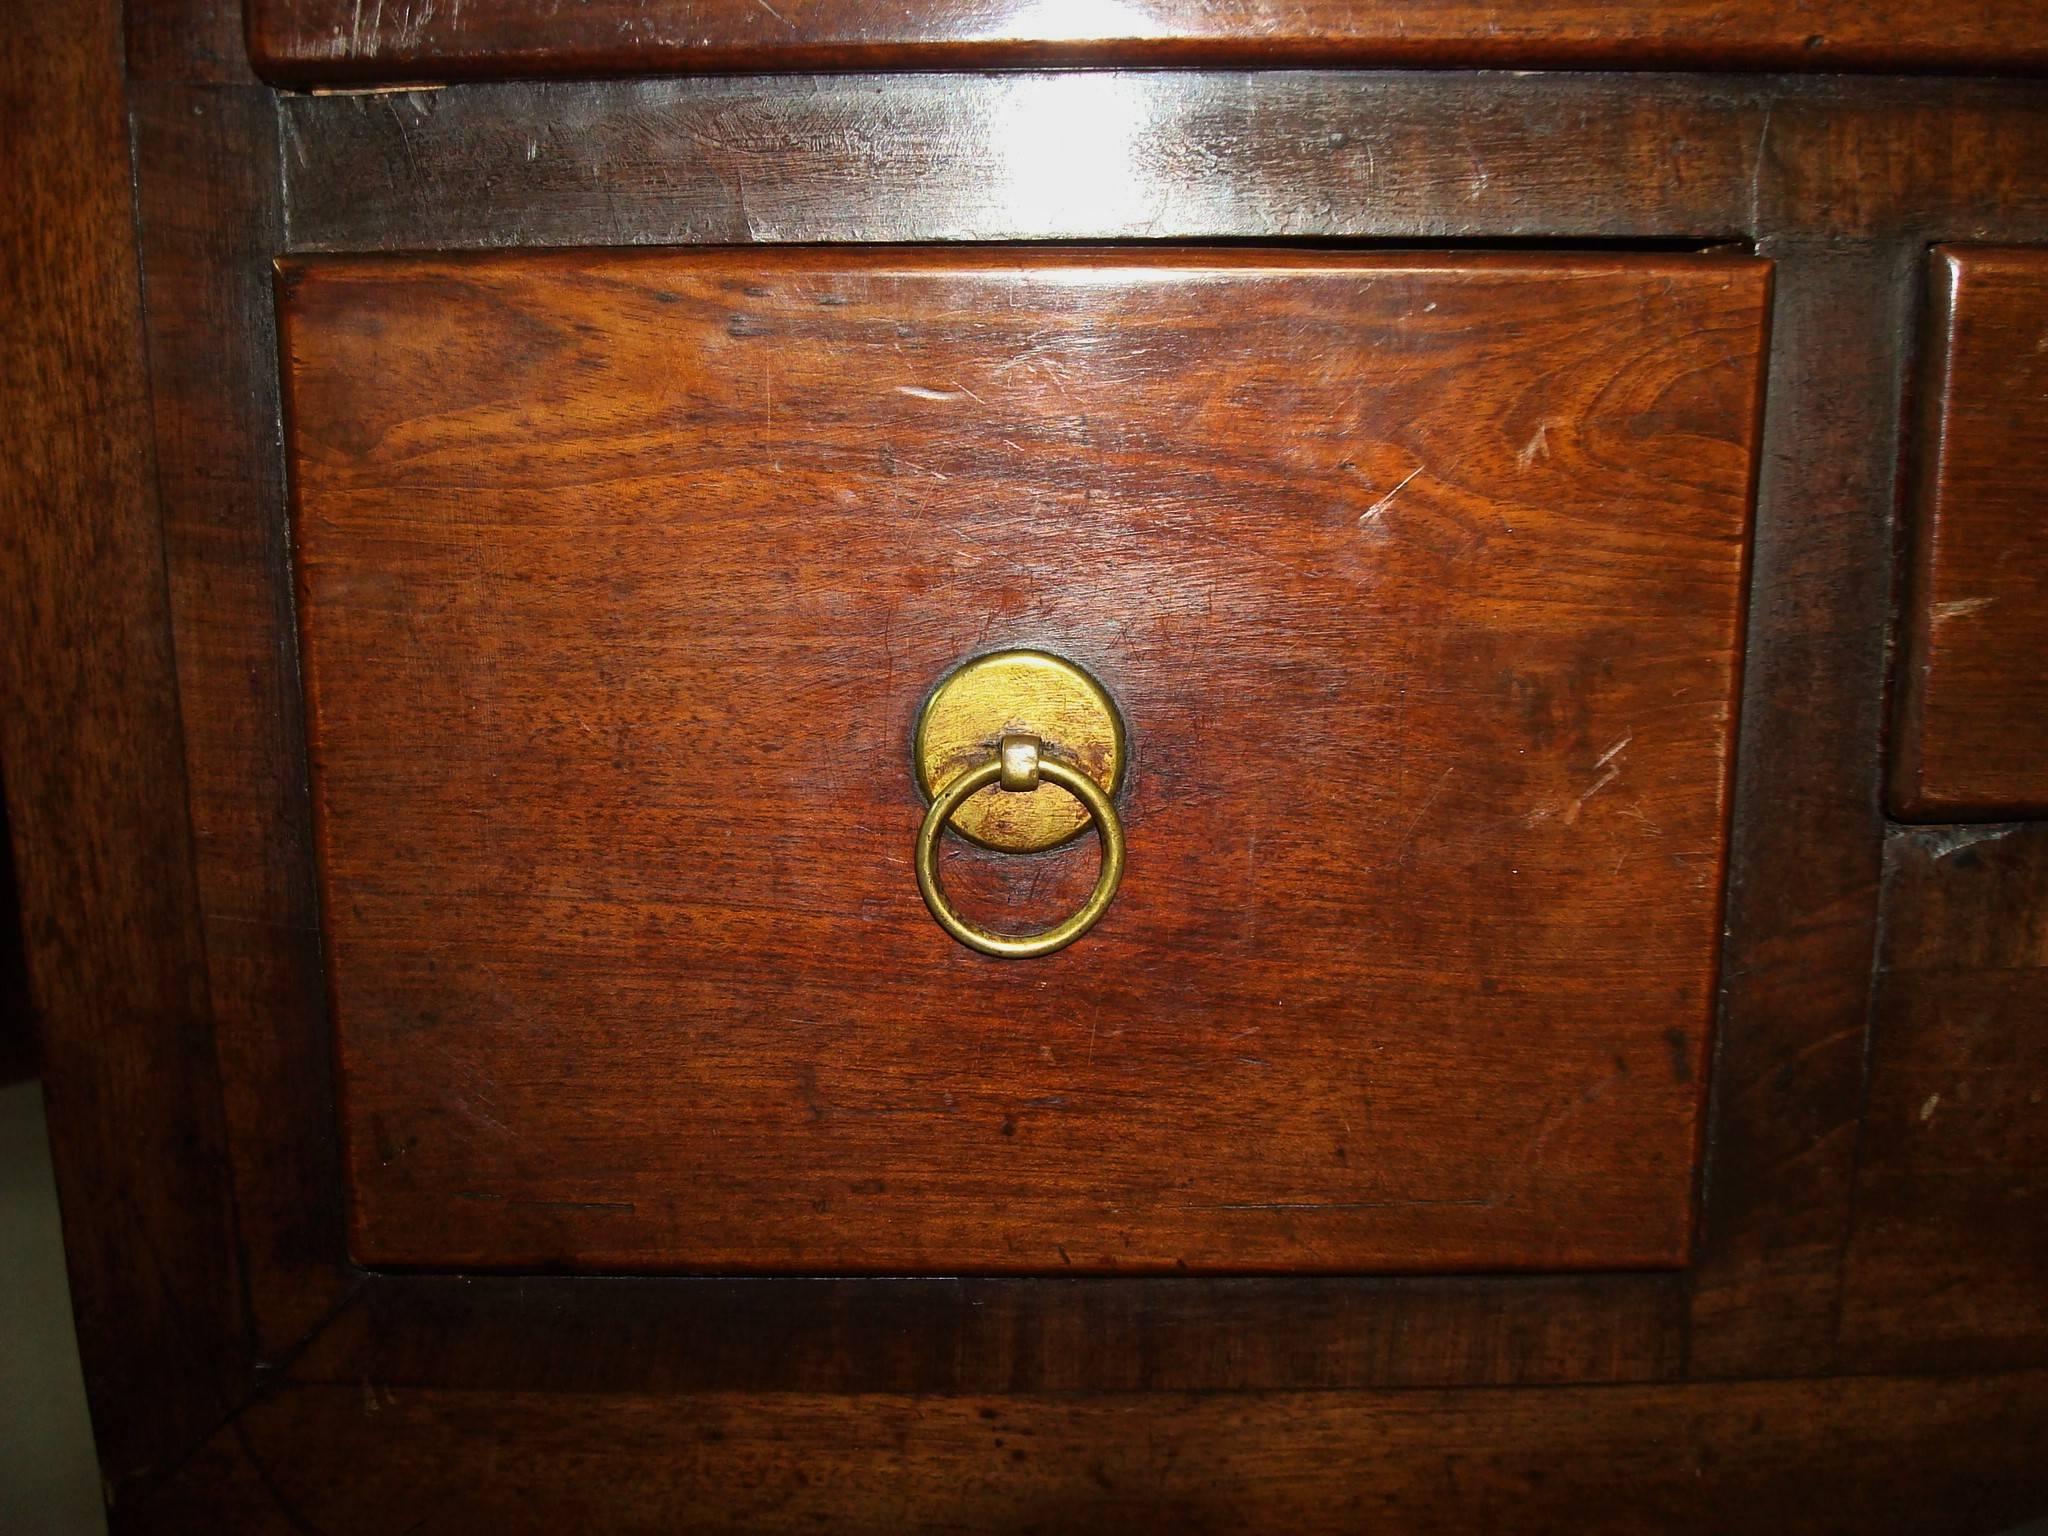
1849 1457
1094 156
315 41
1947 1263
208 224
1845 182
89 738
999 1334
1972 734
187 42
1809 824
1155 155
622 575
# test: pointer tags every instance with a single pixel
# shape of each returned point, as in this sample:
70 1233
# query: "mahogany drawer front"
1418 580
1972 733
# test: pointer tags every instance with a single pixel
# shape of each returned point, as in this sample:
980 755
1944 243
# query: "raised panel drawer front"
1971 738
1416 579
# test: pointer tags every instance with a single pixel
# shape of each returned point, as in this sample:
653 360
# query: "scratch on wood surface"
941 396
1635 812
1372 513
1946 841
412 25
1538 447
1531 1161
1607 777
1943 612
404 139
1408 833
1610 770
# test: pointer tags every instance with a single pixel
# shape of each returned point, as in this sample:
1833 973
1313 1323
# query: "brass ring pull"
1019 766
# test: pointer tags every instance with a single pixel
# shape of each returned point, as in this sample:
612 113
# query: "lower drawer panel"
1417 579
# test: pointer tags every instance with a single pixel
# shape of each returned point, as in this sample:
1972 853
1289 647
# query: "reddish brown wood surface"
1843 182
207 163
1849 1457
1805 862
302 41
191 42
1948 1264
1972 734
1418 583
89 738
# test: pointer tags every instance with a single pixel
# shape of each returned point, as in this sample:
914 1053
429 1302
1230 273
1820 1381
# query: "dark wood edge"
1929 876
1926 810
666 1334
1762 430
1909 802
1875 1453
294 50
1286 156
206 181
91 738
1803 902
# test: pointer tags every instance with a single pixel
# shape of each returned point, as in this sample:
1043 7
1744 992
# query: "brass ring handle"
1020 767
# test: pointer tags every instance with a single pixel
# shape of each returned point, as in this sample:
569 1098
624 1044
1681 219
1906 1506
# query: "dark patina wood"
89 739
327 41
1803 890
1971 740
1095 156
1898 1456
1945 1266
1844 182
997 1334
207 233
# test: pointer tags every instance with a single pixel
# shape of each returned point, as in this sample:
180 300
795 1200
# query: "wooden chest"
1529 513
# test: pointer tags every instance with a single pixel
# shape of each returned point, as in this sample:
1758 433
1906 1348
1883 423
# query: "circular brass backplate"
962 725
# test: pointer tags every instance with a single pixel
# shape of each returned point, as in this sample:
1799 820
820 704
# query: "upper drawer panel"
314 41
1417 580
1972 733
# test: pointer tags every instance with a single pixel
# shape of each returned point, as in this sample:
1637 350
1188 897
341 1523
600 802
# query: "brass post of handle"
1019 765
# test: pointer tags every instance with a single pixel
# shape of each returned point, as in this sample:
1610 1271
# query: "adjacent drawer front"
1972 734
1417 581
